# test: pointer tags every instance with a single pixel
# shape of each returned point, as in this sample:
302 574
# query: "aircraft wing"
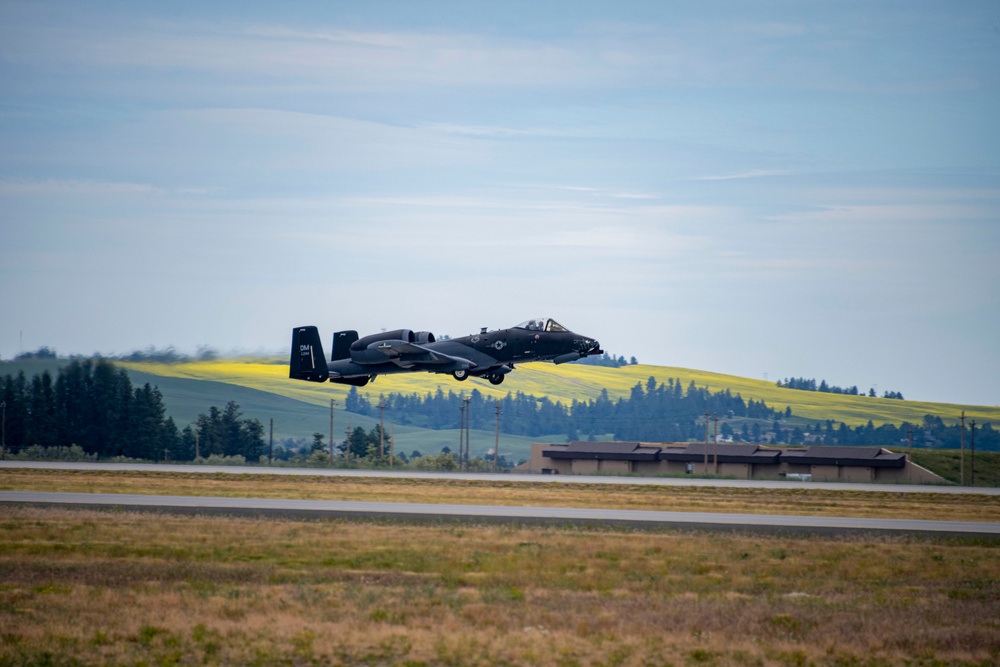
411 355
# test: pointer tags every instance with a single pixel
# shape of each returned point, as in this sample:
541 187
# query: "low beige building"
740 461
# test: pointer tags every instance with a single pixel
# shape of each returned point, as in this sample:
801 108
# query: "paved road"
489 477
493 513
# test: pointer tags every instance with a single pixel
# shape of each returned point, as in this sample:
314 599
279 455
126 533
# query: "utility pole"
392 443
706 442
461 430
270 445
972 458
496 447
961 464
468 415
347 442
3 437
332 402
909 436
715 444
381 427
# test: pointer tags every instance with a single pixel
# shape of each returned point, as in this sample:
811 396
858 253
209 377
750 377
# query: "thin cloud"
75 188
593 191
753 173
902 214
498 132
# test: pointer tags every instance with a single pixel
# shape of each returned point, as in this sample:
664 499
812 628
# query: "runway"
501 477
327 509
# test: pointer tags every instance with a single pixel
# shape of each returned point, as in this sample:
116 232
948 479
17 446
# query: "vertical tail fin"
307 361
342 344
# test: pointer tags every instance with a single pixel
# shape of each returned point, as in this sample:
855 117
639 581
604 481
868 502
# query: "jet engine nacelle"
425 337
404 335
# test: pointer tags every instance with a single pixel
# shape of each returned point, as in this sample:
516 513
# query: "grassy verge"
85 587
812 501
948 464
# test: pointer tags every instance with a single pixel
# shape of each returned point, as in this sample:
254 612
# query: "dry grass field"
87 588
80 587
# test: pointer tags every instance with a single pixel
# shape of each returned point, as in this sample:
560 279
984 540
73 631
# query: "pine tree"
145 436
43 426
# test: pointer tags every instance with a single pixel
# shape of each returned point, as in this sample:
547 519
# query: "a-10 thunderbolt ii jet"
487 354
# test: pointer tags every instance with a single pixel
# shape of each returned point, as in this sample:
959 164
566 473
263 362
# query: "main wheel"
461 376
496 379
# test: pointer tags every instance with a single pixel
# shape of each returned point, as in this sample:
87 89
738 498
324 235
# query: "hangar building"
742 461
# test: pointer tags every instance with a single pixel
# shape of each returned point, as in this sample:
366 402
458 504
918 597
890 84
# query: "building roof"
726 453
821 455
608 451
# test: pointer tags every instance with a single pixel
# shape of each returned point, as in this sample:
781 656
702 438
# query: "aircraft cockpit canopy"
542 324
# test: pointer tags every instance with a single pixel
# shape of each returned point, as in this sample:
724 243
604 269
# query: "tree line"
607 360
90 410
931 432
92 404
167 355
656 412
809 384
664 412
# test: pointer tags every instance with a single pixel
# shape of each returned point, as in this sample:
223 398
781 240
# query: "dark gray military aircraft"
487 354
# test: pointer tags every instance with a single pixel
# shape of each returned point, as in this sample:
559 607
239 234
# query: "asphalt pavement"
319 509
329 509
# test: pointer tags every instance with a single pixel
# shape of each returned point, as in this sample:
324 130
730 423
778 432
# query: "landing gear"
463 375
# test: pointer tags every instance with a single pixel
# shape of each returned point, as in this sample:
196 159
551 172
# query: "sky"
765 189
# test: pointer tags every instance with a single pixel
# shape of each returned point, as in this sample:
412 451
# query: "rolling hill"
573 381
299 409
